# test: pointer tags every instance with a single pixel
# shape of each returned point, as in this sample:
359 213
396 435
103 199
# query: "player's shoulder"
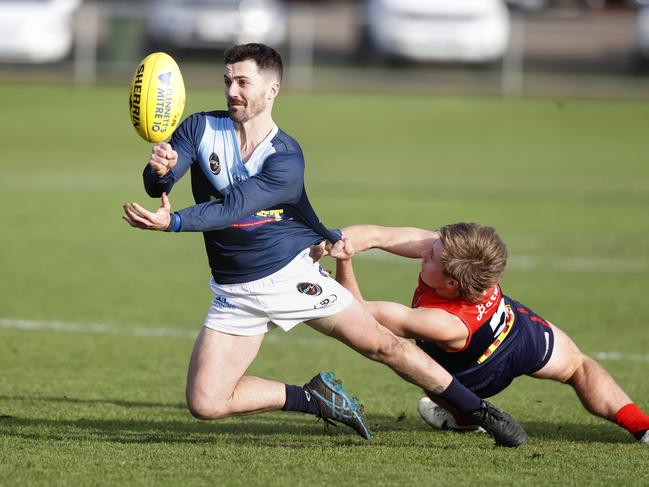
284 143
195 125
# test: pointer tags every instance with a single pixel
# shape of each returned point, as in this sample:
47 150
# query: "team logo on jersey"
484 307
309 288
331 299
259 218
215 164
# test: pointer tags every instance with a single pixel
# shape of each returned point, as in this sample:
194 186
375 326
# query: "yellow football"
157 97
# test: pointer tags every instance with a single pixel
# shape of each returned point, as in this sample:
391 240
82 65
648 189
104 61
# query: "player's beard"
247 112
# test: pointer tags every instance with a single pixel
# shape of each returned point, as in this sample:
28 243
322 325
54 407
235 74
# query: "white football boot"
441 419
644 438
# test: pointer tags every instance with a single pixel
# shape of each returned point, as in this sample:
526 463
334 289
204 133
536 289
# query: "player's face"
432 270
247 91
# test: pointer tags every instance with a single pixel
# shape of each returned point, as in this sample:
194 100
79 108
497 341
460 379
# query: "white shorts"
298 292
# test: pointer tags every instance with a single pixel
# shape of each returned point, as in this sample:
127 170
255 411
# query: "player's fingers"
165 202
156 166
131 222
159 152
129 217
172 154
141 211
131 212
161 148
159 169
138 221
156 159
349 247
133 209
337 249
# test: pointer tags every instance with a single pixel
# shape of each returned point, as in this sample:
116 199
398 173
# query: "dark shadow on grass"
572 432
263 430
291 430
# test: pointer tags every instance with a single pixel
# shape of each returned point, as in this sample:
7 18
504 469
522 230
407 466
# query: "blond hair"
474 255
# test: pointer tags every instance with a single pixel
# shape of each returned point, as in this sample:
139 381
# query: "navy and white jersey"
255 217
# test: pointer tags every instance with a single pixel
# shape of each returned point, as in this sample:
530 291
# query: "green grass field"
97 320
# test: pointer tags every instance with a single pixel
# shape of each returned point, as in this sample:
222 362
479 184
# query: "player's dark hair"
267 58
474 255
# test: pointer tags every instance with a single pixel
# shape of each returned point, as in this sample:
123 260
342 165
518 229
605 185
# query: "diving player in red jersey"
460 317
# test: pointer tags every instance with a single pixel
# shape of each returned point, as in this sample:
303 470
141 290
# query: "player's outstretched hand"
342 249
139 217
163 159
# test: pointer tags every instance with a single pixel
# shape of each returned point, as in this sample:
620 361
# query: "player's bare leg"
357 328
217 387
596 389
216 384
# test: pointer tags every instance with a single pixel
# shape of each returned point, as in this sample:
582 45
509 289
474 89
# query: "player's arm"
404 241
429 324
433 325
170 161
345 276
281 181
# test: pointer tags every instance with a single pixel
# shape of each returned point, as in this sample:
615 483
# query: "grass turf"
99 402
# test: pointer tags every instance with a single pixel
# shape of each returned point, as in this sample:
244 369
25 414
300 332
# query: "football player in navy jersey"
460 317
247 179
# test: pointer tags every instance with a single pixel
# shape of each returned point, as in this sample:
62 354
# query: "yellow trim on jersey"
501 337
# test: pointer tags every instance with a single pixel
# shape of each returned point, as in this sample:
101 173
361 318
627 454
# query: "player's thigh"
218 362
565 359
356 327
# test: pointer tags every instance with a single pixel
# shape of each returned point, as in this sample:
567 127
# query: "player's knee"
203 407
575 367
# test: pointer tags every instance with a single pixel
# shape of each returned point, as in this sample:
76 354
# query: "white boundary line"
284 338
525 262
140 331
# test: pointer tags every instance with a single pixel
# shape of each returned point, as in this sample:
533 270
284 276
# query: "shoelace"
325 423
493 411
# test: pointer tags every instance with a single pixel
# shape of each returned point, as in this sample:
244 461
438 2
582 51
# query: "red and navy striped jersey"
489 323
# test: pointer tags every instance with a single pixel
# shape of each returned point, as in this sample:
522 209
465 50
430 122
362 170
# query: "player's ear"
452 284
273 90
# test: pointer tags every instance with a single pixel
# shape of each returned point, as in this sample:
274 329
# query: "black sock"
297 399
461 398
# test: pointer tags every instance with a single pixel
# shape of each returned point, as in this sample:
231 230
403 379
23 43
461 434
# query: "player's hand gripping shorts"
298 292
